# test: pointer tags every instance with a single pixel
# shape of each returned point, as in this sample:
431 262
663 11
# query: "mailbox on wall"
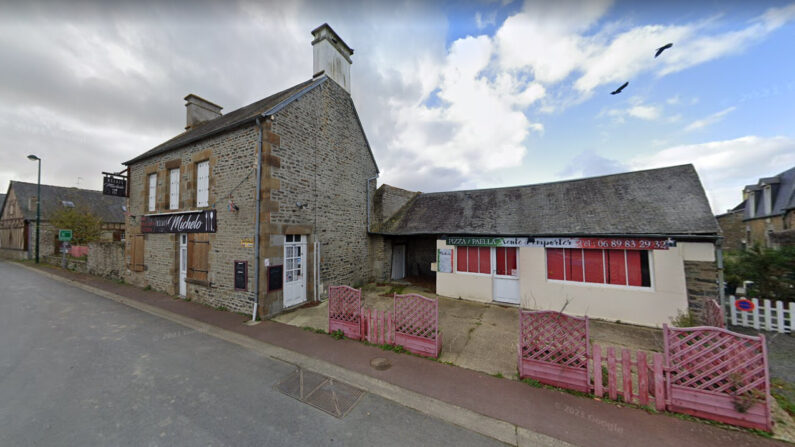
275 273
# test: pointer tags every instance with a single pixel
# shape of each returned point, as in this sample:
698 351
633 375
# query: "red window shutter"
616 267
594 266
485 260
574 264
502 268
472 259
555 263
510 260
634 276
461 262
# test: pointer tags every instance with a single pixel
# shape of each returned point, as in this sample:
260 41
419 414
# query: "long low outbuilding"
638 247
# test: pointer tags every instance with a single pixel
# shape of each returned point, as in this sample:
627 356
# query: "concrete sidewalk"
510 411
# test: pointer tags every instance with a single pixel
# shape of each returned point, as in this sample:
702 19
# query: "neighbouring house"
637 247
18 217
769 210
2 200
733 228
263 207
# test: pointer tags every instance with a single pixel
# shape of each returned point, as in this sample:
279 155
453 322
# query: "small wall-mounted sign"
444 260
191 222
247 242
114 185
64 235
744 304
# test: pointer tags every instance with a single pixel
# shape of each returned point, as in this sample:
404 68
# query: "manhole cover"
324 393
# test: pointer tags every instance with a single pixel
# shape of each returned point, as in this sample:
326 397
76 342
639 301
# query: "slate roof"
783 190
108 208
665 201
2 201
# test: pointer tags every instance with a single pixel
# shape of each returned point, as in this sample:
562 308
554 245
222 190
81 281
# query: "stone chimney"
331 56
200 110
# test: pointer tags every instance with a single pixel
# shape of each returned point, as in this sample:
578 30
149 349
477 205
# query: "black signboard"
274 277
114 186
193 222
241 275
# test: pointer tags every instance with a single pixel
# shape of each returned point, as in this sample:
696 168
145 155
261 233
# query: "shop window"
474 260
202 184
173 189
152 192
137 253
198 256
506 261
617 267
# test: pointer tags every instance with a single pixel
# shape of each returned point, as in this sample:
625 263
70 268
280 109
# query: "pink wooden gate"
649 381
718 374
554 349
416 321
377 327
345 311
713 314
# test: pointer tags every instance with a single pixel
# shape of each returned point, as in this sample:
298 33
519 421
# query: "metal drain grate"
324 393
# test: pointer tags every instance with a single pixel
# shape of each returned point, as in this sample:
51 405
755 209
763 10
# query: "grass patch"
222 308
338 334
498 375
781 391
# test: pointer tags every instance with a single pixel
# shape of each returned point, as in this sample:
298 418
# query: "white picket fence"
770 316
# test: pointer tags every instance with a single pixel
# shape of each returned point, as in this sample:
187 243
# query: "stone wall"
106 259
387 201
733 229
761 228
13 254
701 280
315 162
232 159
79 265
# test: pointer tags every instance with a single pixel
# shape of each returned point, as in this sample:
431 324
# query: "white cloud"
482 22
636 109
709 120
726 166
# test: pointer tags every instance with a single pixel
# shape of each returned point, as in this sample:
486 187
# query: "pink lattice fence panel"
554 349
345 311
713 314
718 374
416 320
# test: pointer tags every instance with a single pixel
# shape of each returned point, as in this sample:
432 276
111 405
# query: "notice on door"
444 260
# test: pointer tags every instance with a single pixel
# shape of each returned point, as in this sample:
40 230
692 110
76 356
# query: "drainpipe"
256 223
367 199
721 292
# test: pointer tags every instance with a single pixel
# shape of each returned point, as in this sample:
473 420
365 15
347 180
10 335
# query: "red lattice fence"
554 349
713 314
345 311
416 323
717 374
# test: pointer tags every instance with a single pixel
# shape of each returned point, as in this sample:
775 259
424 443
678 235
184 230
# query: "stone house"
766 217
18 217
261 209
637 247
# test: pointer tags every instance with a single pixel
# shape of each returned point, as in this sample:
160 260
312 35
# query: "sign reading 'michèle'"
195 222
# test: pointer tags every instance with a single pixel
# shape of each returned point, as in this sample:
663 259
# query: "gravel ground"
780 354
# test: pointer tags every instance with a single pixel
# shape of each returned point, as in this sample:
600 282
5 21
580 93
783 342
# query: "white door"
398 261
505 268
183 263
294 270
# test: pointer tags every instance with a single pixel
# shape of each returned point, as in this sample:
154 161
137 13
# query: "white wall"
650 306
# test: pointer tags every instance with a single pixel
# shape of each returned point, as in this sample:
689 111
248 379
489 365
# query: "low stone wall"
106 259
74 264
14 255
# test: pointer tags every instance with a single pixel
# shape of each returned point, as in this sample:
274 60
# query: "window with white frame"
202 184
173 189
616 267
474 260
152 192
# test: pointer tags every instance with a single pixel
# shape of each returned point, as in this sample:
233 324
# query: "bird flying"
663 48
618 90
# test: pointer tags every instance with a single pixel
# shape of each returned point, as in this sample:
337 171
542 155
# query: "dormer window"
751 204
32 203
767 199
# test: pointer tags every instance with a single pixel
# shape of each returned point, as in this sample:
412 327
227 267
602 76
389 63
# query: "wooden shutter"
202 184
198 254
137 253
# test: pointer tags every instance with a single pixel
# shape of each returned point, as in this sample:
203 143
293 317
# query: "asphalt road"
77 369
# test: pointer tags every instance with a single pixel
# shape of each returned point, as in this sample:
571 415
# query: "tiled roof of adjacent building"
782 187
665 201
2 201
108 208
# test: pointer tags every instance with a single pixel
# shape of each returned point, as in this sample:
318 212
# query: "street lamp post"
38 204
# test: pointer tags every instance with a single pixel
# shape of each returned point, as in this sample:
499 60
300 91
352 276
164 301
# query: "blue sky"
452 95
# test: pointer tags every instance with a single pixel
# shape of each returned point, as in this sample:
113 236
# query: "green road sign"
64 235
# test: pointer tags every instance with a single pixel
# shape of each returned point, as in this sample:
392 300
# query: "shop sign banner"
194 222
563 242
114 186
